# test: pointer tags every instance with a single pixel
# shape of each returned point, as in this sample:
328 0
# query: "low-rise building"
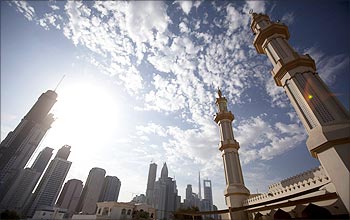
119 210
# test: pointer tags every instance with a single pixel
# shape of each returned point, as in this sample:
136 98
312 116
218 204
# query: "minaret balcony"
223 115
263 34
281 68
227 144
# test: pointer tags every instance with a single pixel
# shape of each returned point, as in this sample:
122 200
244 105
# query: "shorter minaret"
235 191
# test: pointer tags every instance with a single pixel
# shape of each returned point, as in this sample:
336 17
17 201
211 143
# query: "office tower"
19 145
70 195
208 195
50 185
325 119
42 160
25 182
91 191
199 186
235 192
152 173
110 189
166 199
188 192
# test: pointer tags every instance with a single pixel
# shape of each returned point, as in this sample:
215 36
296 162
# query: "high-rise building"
152 173
166 199
25 182
325 119
91 191
188 192
199 186
19 145
42 160
192 199
70 195
235 191
110 189
50 185
208 194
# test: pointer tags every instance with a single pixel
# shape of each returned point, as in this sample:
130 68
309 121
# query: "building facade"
91 191
208 195
19 145
50 185
152 174
110 189
166 199
25 182
120 211
70 195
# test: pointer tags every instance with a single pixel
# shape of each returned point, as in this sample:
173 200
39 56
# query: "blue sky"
141 78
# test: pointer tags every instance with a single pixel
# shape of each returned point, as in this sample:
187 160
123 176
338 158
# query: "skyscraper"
25 182
50 185
325 119
91 191
166 199
110 189
19 145
152 173
235 191
199 186
208 194
70 195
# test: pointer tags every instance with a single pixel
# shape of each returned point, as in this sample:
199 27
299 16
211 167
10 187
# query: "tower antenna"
59 83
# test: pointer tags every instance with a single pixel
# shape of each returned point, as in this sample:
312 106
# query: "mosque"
320 193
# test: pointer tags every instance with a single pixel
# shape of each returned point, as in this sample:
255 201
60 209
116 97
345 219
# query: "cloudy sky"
141 78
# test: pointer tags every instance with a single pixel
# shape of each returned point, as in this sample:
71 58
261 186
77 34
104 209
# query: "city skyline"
152 107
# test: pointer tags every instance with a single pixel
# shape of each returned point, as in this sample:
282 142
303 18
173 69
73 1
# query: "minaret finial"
219 93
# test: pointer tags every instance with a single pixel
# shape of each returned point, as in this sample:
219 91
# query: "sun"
85 113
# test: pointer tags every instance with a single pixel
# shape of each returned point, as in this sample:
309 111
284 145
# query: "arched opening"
315 212
280 214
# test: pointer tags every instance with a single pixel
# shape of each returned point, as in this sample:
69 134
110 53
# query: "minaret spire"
235 191
325 119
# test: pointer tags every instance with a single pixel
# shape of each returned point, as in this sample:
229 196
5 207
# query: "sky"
140 81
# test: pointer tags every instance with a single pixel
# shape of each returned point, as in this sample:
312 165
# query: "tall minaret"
235 191
323 116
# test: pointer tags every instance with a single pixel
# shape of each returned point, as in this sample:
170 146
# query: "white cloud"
328 66
186 6
24 8
257 6
142 18
261 140
288 18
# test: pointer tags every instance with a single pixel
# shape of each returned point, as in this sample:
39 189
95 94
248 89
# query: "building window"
129 212
99 211
123 211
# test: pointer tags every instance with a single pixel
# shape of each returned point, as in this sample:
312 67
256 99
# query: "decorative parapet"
304 181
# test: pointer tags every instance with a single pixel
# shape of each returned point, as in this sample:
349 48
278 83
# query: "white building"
49 213
118 210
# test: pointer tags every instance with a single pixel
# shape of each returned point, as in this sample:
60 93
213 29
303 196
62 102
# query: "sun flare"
85 113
